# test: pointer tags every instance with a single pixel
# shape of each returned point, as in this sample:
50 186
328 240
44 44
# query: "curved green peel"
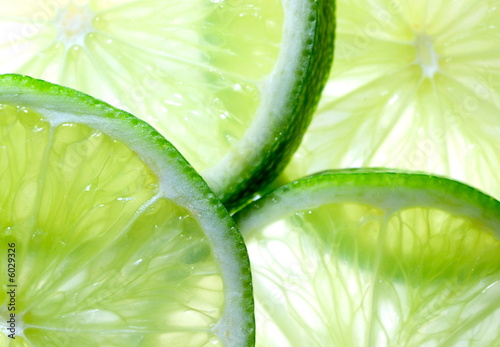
115 239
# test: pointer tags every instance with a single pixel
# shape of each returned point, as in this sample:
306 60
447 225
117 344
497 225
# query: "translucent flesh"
414 85
192 69
352 275
101 257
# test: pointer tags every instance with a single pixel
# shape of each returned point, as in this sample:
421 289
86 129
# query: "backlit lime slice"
415 85
373 258
231 83
108 236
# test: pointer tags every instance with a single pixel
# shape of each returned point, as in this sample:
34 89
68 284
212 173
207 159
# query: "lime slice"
108 236
373 258
415 85
232 84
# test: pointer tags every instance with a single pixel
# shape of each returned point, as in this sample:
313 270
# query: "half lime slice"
232 84
374 258
108 236
415 85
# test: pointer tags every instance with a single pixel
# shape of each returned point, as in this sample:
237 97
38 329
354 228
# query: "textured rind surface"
21 89
318 58
374 185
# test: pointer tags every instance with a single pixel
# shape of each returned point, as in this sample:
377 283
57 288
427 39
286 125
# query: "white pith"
389 200
426 57
75 23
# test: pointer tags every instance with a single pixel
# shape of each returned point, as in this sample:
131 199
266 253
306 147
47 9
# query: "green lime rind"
179 182
391 193
288 125
377 186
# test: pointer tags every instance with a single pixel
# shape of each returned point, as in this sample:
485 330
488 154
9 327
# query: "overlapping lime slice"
374 258
108 236
232 84
414 85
